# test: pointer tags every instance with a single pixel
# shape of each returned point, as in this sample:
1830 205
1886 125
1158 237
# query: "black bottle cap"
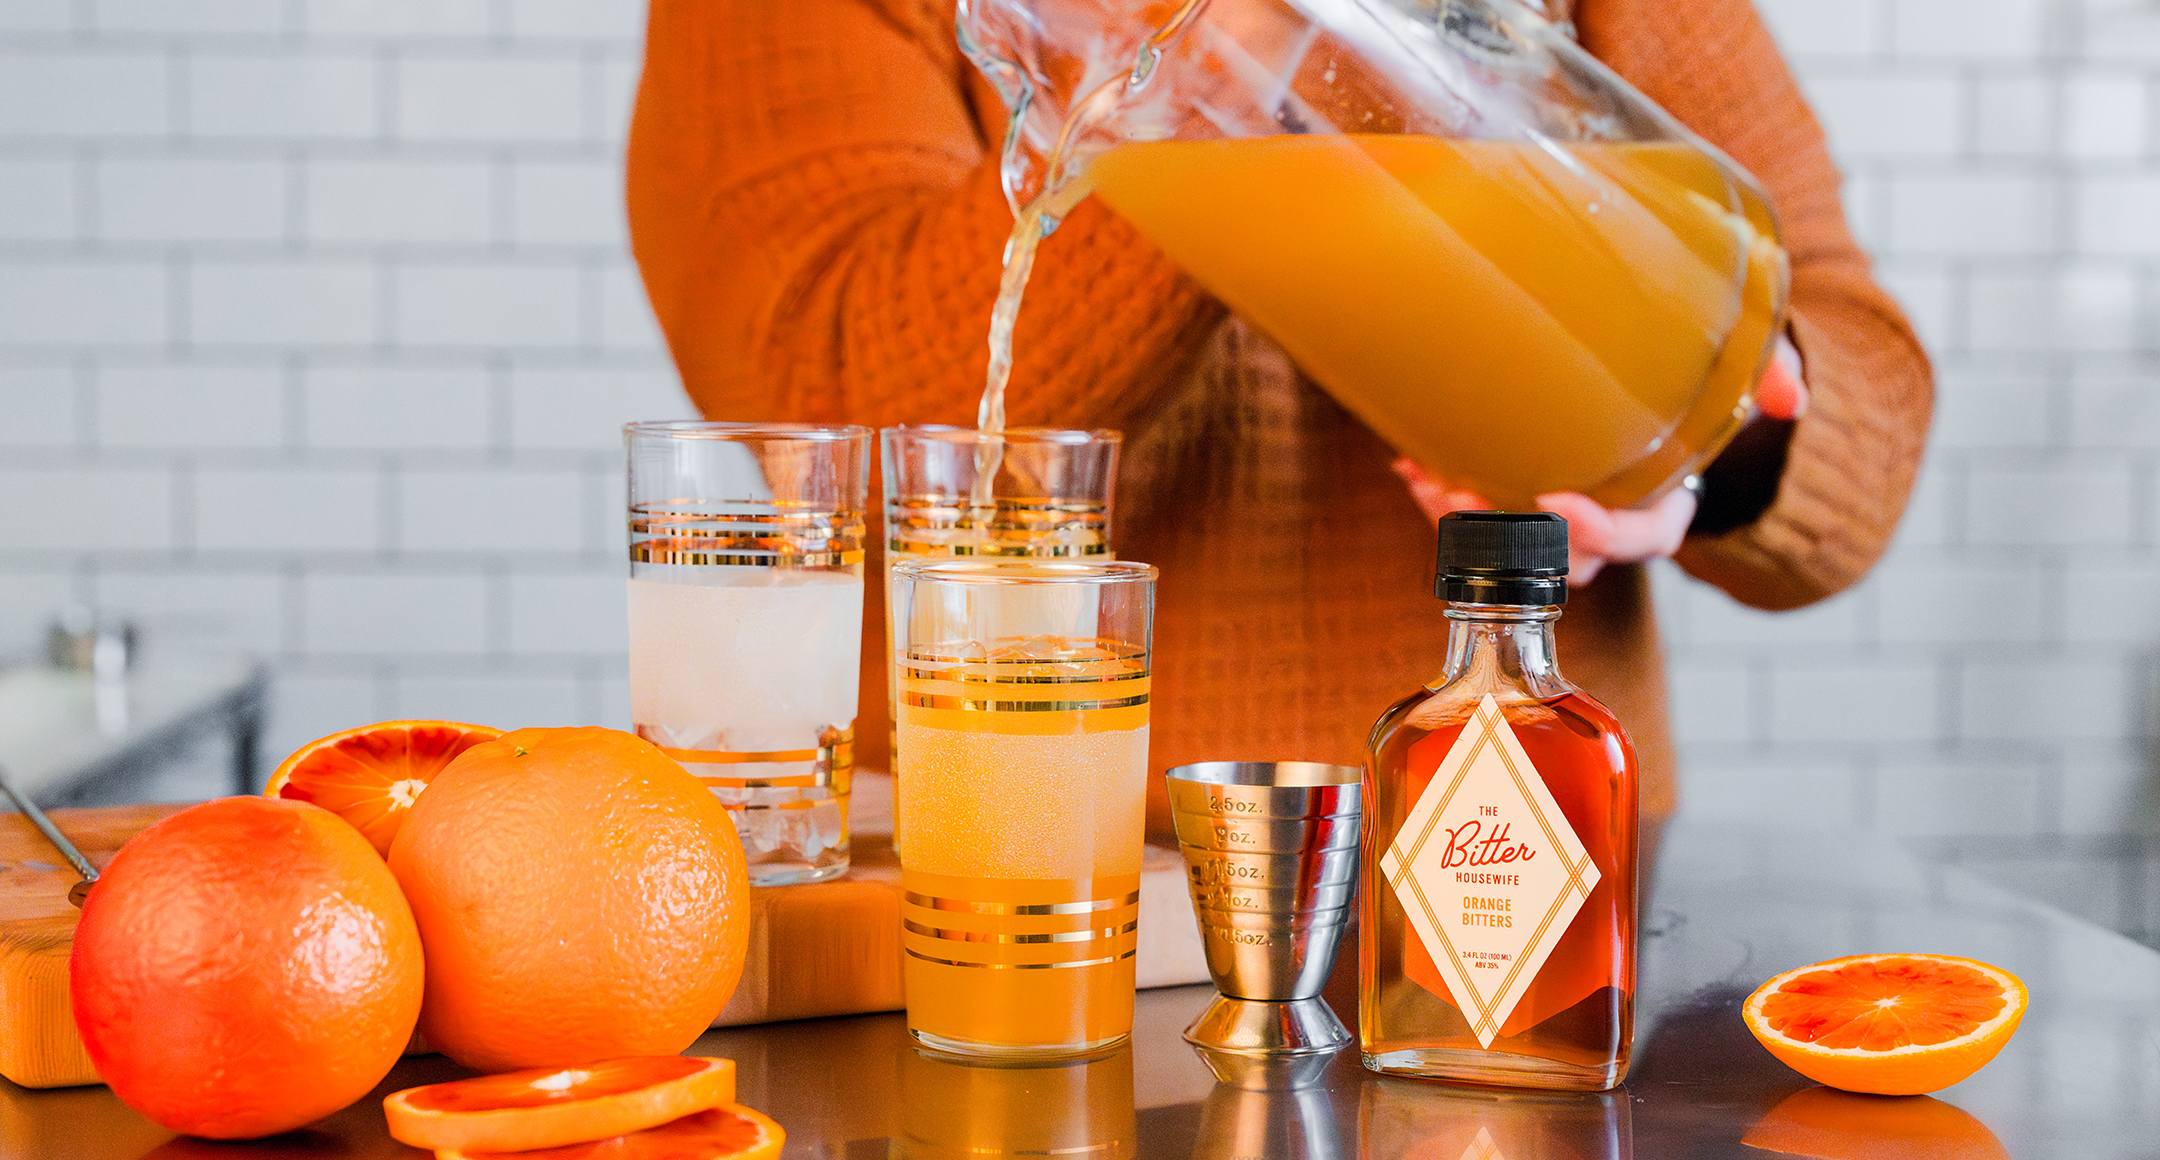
1503 558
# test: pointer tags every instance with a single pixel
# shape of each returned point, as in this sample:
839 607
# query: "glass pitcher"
1493 250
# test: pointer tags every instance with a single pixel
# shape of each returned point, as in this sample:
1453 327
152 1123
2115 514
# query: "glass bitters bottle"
1497 934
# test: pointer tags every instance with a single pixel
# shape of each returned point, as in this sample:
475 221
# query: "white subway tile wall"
1989 692
38 403
190 405
40 196
65 303
274 93
317 323
317 329
214 17
38 16
162 200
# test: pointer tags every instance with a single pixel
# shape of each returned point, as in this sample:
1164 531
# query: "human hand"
1597 535
1782 394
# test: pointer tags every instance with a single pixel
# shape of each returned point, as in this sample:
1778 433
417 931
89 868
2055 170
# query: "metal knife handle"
59 840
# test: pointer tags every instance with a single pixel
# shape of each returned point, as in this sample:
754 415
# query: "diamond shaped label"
1488 870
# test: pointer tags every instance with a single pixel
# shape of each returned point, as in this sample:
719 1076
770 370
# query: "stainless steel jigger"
1271 850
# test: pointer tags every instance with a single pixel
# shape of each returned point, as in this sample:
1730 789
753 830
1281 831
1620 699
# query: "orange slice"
369 776
1893 1025
545 1107
733 1132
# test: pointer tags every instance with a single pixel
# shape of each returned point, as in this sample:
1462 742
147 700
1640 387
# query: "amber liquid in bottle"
1572 1026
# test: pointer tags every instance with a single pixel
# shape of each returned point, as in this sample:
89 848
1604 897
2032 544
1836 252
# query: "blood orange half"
546 1107
369 776
730 1133
1893 1025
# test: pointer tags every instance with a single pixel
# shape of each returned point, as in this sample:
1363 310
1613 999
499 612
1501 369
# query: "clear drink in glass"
745 604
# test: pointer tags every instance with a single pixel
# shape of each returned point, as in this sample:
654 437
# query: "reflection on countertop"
1820 1121
1267 1107
1733 905
951 1109
1406 1118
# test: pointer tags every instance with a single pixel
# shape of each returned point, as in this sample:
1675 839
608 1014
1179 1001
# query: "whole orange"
581 898
244 967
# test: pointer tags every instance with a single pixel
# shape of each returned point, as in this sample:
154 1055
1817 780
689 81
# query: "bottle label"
1488 871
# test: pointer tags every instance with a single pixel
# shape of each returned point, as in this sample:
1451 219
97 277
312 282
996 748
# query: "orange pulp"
371 775
1887 1024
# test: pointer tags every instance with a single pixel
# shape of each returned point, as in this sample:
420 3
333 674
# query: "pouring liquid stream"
1034 222
990 414
1062 190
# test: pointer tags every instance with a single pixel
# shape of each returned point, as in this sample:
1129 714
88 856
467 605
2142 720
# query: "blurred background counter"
172 729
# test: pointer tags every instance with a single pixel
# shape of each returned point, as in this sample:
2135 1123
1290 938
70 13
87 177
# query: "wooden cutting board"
828 948
38 1044
833 948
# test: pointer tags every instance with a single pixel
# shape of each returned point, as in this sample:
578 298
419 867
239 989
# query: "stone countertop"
1732 906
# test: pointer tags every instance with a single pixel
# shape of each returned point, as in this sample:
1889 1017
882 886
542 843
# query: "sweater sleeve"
1852 458
818 222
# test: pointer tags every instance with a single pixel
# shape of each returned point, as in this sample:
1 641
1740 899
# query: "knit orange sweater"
814 205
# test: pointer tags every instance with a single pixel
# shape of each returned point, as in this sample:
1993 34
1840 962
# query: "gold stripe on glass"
691 534
964 905
834 766
965 704
666 552
914 954
722 757
1060 936
974 674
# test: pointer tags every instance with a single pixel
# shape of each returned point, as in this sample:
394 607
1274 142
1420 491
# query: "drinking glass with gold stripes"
1047 495
1049 492
746 606
1020 800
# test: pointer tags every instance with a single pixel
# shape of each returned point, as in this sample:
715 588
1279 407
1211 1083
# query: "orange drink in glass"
1020 800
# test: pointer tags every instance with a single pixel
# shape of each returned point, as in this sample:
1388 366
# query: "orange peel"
733 1132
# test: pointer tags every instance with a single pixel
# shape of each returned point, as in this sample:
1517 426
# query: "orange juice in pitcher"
1520 319
1481 241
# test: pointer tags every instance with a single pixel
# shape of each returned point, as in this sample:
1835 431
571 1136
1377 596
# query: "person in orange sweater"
815 209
